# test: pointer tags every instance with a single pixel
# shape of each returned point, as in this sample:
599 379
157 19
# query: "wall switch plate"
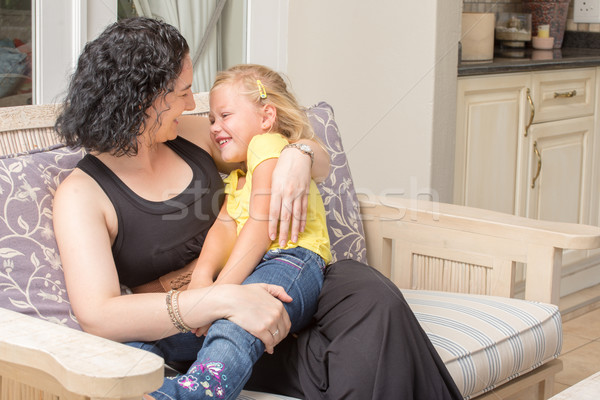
586 11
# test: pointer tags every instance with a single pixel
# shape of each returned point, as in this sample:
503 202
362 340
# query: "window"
214 30
15 53
40 40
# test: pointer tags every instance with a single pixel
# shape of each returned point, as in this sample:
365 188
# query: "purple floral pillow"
31 276
341 203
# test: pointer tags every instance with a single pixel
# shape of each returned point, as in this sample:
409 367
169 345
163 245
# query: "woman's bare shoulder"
79 193
80 204
78 182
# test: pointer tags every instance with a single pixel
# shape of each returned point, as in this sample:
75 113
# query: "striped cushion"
484 341
500 338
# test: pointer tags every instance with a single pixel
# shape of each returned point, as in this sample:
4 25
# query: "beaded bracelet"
170 309
173 309
175 303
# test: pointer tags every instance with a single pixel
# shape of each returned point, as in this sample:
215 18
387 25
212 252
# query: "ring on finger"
275 333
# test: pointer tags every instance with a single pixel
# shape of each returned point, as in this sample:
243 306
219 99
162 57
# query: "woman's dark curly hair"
119 75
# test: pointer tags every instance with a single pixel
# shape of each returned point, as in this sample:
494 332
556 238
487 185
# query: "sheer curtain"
192 18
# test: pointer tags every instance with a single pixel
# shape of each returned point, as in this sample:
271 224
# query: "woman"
141 204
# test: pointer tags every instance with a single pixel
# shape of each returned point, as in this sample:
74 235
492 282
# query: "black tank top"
155 238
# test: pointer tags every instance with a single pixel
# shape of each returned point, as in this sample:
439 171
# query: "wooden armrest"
474 237
81 363
468 219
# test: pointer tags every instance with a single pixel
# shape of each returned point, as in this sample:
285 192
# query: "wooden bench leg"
537 384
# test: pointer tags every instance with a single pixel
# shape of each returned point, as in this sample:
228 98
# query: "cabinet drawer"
563 94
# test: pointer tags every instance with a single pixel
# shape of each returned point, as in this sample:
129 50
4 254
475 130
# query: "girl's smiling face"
234 121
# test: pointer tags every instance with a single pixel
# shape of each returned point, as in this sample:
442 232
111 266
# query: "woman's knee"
356 283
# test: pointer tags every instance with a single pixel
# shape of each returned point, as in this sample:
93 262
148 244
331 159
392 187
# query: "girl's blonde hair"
254 80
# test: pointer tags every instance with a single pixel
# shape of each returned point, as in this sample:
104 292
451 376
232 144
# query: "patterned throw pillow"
31 276
341 203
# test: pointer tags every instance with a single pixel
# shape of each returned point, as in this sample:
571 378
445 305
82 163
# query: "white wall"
389 70
267 36
233 28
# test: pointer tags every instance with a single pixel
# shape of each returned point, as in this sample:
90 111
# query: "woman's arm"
290 187
320 167
84 225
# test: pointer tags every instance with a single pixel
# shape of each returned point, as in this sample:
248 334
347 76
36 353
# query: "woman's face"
234 121
171 106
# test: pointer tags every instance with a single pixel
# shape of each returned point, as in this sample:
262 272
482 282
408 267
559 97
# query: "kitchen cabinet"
492 116
526 145
560 170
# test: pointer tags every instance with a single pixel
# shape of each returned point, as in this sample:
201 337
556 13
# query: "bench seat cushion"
485 341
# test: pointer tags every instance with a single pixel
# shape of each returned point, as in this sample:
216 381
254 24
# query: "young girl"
253 118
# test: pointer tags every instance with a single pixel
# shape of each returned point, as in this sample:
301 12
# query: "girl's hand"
200 280
289 195
201 331
258 308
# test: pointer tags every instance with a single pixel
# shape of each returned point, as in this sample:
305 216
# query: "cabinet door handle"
539 164
570 93
532 108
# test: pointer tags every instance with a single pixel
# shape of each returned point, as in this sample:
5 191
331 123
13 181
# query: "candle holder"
513 29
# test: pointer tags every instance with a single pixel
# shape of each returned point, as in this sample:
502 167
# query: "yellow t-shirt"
261 148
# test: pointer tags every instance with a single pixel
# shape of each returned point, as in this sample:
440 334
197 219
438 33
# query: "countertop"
528 59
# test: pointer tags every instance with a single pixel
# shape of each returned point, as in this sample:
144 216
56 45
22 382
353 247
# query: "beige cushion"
486 341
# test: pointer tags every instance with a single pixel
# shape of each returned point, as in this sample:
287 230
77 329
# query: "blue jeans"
225 357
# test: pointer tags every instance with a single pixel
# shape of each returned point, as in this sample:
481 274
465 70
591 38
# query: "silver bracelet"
303 148
173 310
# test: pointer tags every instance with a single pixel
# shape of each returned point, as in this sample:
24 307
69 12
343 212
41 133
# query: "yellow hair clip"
261 89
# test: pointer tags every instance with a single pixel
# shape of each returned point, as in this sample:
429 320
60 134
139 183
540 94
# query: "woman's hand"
258 308
290 185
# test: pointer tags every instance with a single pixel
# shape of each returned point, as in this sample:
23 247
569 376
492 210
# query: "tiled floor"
581 349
